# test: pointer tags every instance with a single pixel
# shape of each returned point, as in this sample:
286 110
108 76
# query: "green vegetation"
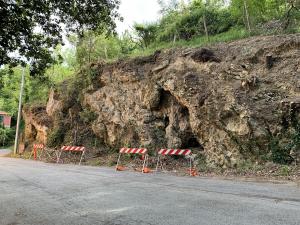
56 135
197 23
194 24
36 88
6 136
284 171
35 28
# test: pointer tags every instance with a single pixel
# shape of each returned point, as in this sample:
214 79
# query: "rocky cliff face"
37 124
230 101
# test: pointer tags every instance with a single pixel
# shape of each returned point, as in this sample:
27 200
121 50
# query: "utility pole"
19 112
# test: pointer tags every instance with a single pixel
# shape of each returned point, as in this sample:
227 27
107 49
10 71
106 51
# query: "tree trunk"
247 16
205 27
174 39
90 48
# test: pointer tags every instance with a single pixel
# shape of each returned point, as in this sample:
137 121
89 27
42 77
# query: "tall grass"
231 35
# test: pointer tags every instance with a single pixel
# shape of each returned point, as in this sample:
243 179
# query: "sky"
140 11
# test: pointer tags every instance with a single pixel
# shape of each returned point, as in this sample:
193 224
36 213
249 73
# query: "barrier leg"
144 163
190 166
147 160
81 157
34 153
47 153
31 154
158 159
41 154
118 161
58 157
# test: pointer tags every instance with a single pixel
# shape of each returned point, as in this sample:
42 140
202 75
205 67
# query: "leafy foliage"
6 136
56 136
196 23
146 33
33 28
95 47
189 22
36 88
279 154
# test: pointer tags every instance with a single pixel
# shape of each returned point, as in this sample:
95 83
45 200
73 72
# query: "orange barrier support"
193 172
147 170
72 149
142 151
34 151
170 152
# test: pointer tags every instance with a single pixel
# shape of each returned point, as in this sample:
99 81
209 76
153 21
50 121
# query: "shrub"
284 171
6 136
87 116
56 136
279 154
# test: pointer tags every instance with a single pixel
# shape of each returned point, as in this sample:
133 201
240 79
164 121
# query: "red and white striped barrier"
35 148
172 152
39 146
142 151
133 150
71 149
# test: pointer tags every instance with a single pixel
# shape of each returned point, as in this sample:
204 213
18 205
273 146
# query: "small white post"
118 161
190 166
144 164
81 157
58 157
158 159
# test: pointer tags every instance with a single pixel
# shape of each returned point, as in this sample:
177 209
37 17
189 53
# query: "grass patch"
24 155
284 171
10 147
247 166
231 35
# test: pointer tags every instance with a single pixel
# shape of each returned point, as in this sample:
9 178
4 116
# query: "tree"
95 47
30 29
293 7
36 88
146 33
247 16
6 136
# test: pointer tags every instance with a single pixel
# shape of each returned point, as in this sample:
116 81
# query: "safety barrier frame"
172 152
142 151
72 149
34 151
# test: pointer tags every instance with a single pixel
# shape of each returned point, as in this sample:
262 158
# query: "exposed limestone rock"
54 104
222 100
37 123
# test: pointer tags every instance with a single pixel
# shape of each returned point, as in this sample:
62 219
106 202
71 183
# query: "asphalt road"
35 193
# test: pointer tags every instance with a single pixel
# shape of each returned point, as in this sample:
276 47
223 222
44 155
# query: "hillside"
229 102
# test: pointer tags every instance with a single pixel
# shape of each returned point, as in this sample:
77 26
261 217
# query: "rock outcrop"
37 123
231 101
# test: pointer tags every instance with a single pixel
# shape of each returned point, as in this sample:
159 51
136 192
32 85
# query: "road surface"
35 193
